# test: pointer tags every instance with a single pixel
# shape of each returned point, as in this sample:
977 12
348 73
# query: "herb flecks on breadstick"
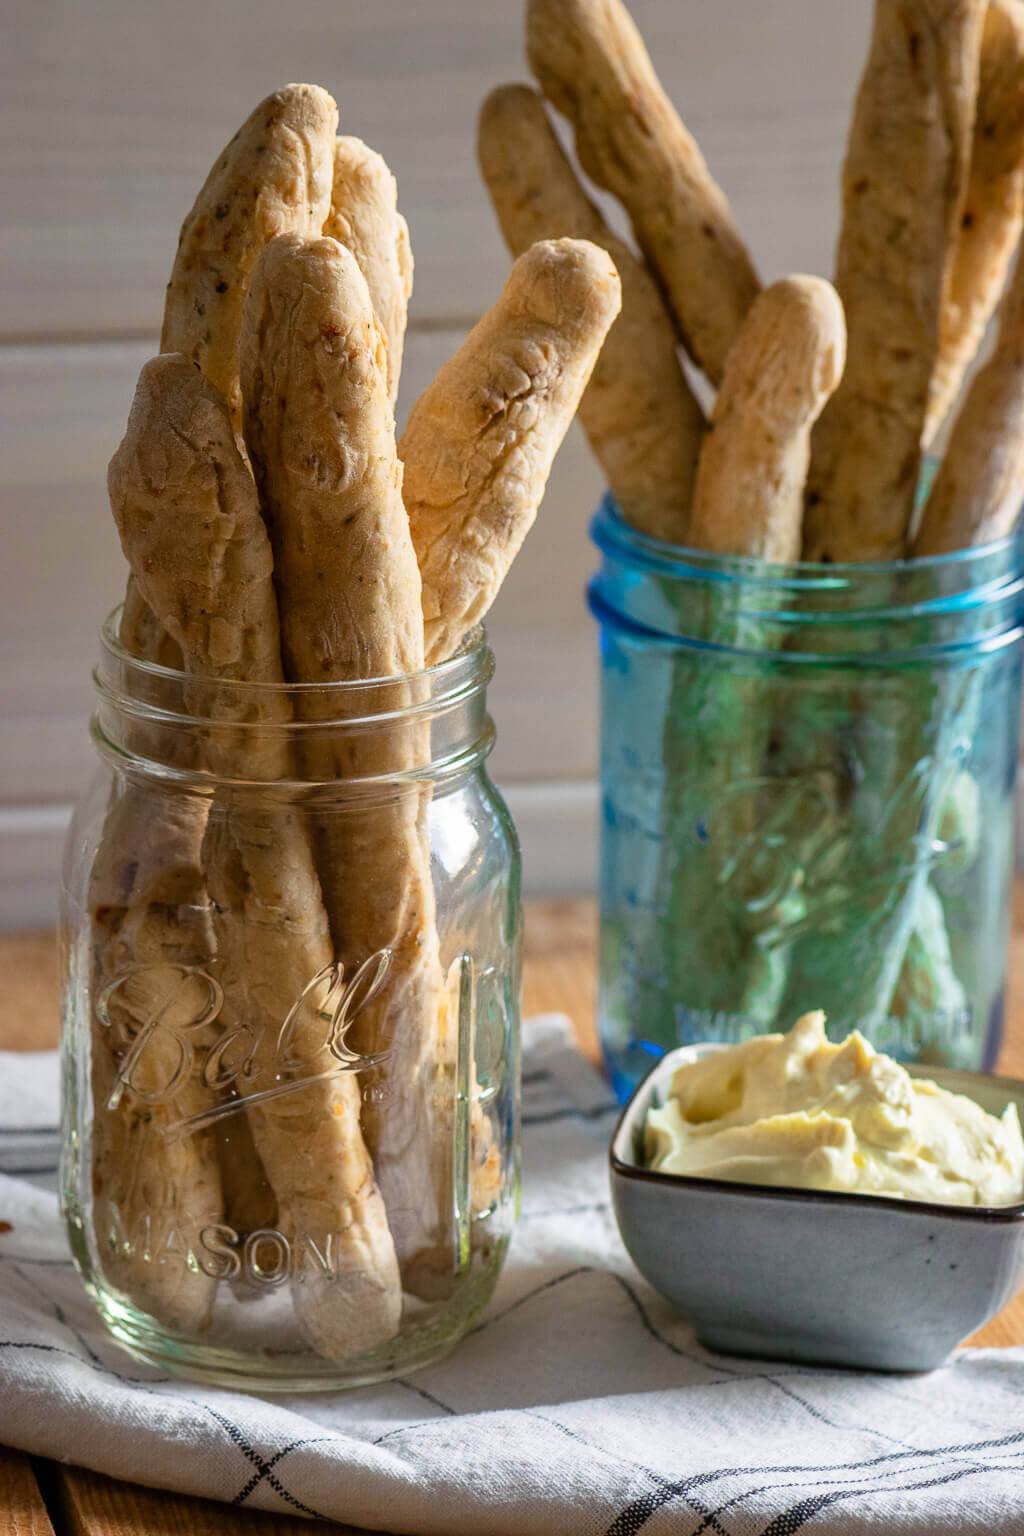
786 362
903 187
481 438
638 411
273 177
993 212
977 494
591 64
186 509
320 434
364 217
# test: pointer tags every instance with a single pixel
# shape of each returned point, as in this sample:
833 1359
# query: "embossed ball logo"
165 1018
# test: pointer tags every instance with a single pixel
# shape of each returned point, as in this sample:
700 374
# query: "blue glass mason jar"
807 778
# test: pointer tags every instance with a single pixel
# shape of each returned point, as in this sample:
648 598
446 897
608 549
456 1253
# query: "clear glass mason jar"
807 779
291 1021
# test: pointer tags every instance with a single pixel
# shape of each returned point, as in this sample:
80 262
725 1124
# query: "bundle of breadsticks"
827 398
277 533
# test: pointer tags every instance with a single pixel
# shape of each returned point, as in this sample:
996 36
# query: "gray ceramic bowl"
859 1280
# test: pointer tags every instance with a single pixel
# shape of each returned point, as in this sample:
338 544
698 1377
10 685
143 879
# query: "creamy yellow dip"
794 1109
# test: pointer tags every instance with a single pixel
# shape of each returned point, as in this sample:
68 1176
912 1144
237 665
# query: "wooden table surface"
41 1498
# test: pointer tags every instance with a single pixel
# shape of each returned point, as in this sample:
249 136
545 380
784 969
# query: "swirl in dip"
797 1110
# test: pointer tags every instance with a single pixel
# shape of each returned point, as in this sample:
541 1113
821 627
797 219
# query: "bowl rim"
1005 1215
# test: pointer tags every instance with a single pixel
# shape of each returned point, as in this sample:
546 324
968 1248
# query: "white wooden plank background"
110 114
112 111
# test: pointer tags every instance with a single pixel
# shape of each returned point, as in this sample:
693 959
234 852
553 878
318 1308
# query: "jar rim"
473 656
613 535
945 610
162 721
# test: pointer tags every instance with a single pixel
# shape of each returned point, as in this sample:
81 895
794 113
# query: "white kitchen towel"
579 1405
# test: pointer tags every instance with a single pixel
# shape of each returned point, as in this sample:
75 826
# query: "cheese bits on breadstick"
481 438
591 64
978 490
364 217
903 186
186 509
320 433
274 176
993 211
786 362
638 411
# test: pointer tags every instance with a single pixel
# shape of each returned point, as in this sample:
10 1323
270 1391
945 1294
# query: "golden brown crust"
274 175
786 361
152 1196
977 494
638 411
993 211
190 526
140 633
591 64
481 438
903 185
321 438
185 506
149 916
364 217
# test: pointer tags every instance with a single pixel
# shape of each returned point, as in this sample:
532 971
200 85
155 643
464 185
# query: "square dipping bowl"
838 1279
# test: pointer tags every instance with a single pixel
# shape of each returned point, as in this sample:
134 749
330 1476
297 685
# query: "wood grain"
559 966
22 1511
29 1013
92 1505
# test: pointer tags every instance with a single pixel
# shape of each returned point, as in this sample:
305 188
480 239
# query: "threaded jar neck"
941 610
300 737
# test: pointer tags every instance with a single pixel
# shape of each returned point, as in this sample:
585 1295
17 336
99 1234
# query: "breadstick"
903 187
152 1198
364 217
481 438
978 491
638 411
274 176
149 915
149 927
591 63
993 212
320 433
748 502
787 360
186 509
142 635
